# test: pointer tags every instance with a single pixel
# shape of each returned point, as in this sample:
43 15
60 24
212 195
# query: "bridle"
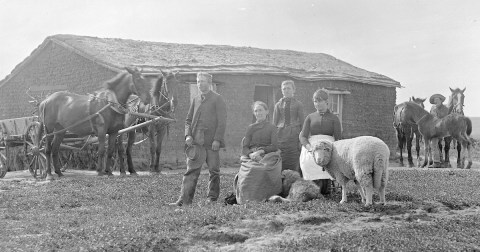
164 93
458 105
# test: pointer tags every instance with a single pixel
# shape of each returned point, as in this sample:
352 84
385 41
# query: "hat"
321 93
196 155
441 97
204 76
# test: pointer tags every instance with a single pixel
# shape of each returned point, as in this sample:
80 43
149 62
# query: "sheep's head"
322 152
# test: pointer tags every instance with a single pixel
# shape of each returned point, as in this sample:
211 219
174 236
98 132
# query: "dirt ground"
289 227
25 175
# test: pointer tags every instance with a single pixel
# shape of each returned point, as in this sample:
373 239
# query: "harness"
111 102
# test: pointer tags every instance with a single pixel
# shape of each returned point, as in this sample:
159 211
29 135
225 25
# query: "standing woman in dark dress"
319 125
288 118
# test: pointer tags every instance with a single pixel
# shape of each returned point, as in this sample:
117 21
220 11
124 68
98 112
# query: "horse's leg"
131 139
153 144
112 140
48 154
459 152
426 152
417 147
101 134
448 141
468 149
409 136
160 135
435 154
440 149
465 142
121 154
400 145
430 154
57 140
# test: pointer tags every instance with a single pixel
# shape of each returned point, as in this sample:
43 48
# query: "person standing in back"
319 125
439 110
288 117
204 133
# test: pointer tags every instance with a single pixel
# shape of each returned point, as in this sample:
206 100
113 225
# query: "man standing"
205 129
440 111
288 117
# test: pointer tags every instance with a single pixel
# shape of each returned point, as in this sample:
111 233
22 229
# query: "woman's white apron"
310 170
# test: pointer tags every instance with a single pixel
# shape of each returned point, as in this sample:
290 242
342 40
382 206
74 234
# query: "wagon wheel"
3 165
34 149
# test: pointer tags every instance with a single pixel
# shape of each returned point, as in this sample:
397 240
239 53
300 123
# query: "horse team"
410 118
104 114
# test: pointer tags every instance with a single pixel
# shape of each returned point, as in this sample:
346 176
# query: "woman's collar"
260 123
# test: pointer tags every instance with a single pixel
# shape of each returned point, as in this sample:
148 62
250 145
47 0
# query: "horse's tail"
398 112
39 133
395 123
41 120
469 126
41 112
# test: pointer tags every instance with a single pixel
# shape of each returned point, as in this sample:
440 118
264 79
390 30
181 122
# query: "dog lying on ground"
295 188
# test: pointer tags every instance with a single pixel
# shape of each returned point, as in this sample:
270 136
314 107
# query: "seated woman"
260 175
261 136
319 125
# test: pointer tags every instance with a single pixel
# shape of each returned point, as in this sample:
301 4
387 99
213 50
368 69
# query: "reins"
120 109
157 108
80 122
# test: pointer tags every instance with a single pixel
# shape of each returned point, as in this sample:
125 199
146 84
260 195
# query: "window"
335 101
265 93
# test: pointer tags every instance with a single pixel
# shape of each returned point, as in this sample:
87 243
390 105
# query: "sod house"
363 100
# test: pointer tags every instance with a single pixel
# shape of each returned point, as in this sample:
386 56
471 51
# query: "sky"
428 46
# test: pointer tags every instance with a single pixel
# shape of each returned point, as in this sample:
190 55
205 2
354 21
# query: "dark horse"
456 126
455 105
406 131
164 101
84 115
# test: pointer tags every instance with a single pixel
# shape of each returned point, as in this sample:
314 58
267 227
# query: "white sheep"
362 159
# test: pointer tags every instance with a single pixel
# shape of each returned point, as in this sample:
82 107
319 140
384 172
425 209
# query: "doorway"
265 93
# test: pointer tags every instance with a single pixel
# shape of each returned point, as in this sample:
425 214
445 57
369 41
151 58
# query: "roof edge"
108 65
43 45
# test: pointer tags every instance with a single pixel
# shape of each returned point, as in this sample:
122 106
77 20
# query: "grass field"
427 210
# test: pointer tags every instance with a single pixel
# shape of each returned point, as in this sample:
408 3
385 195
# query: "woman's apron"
310 170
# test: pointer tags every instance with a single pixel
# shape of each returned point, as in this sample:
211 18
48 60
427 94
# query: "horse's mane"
119 78
411 103
157 87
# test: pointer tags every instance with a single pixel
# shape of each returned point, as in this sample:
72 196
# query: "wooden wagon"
21 133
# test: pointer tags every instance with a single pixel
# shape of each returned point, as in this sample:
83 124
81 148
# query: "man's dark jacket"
209 115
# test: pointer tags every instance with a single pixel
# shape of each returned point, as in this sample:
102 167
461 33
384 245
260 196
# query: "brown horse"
164 101
84 115
406 131
457 126
455 105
